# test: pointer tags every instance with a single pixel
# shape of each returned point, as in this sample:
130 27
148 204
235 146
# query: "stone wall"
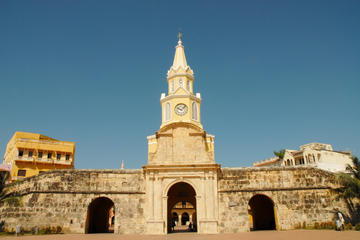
61 198
300 195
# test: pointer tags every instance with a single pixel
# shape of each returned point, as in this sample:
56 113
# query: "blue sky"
272 74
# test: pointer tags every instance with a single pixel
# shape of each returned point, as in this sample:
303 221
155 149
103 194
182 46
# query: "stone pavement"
259 235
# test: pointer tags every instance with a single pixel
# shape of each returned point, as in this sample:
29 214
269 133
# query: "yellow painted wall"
35 143
187 100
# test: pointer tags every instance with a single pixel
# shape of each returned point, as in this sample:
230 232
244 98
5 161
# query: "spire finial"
180 35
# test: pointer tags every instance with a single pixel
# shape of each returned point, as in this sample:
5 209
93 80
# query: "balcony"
44 160
24 159
63 162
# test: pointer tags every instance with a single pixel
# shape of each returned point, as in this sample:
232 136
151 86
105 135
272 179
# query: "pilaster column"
157 199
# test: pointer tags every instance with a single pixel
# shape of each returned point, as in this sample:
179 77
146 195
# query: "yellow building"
32 153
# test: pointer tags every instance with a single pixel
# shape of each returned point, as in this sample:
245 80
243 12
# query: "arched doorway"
175 217
182 203
185 218
100 216
262 213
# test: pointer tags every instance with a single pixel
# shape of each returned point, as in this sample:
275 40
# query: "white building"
318 155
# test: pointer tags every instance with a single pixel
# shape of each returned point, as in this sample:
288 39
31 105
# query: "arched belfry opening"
181 208
100 216
261 213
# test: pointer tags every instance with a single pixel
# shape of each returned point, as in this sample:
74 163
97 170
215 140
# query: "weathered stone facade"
300 195
61 198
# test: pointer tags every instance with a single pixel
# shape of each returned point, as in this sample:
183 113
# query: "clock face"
181 109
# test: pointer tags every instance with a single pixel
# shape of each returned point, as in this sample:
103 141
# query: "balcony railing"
62 162
47 160
44 141
44 160
26 159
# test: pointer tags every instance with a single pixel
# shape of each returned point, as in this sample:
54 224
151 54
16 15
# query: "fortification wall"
61 198
300 196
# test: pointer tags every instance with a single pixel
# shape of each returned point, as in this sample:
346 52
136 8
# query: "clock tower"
180 105
180 120
181 166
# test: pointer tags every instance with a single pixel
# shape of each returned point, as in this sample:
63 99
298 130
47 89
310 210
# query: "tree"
350 181
12 198
280 153
3 178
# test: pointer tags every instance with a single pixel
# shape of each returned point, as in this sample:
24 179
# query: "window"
67 157
194 111
40 154
21 173
181 82
167 113
172 86
188 85
31 153
21 153
58 156
49 155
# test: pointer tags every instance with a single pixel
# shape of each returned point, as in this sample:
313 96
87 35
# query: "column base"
208 226
155 227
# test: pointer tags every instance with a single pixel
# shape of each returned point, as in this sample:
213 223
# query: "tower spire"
179 58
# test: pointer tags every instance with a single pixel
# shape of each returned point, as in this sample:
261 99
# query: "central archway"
182 204
262 213
100 216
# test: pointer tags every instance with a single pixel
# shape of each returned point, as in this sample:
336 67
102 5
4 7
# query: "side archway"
262 213
100 216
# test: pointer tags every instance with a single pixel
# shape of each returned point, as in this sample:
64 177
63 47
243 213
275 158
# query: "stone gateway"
180 189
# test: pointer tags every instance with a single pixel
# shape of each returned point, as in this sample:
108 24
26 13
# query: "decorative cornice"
180 96
183 123
182 166
180 75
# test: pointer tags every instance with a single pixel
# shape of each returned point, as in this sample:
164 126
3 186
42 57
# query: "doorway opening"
185 218
261 213
100 216
181 208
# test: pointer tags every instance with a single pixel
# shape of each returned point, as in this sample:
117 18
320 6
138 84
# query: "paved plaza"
263 235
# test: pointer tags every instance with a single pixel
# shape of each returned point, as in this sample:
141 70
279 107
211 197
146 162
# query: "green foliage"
348 226
3 179
10 199
317 225
50 230
280 153
13 200
350 182
357 227
327 225
355 170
